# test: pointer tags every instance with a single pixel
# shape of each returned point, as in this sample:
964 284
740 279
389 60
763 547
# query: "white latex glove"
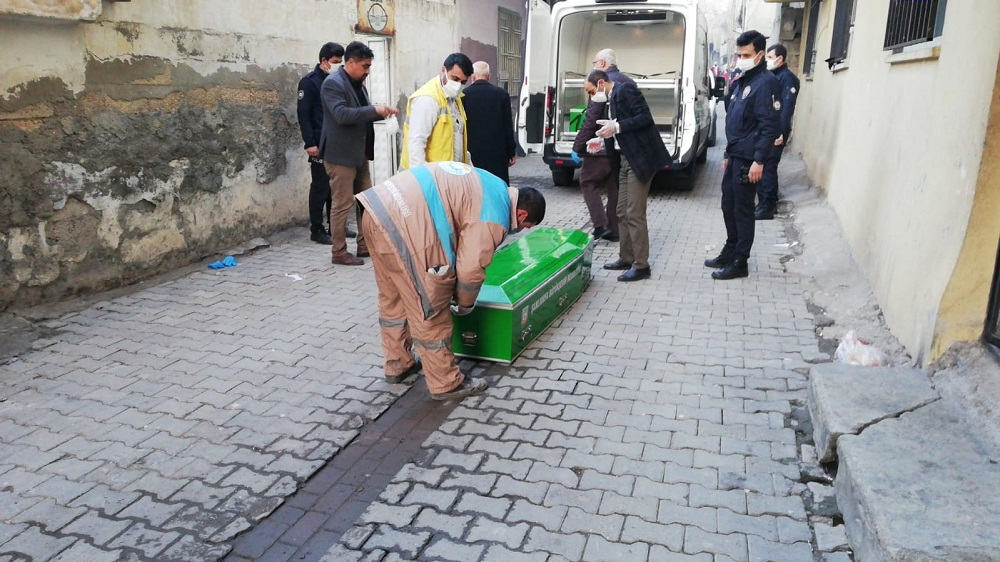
595 145
609 129
459 310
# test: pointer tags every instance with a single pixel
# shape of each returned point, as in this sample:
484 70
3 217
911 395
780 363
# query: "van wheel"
563 177
702 156
711 133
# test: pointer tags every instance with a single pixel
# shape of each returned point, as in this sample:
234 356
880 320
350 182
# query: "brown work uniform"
431 232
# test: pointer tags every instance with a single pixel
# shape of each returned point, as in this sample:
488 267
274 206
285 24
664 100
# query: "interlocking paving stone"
660 410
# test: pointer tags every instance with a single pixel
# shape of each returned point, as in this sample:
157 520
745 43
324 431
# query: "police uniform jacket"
310 108
789 93
753 120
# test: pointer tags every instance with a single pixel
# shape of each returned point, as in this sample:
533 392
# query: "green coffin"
529 284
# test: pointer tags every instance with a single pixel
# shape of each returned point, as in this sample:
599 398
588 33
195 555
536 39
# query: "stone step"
844 399
916 481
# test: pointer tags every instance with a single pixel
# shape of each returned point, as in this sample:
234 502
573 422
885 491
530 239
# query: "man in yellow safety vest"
434 130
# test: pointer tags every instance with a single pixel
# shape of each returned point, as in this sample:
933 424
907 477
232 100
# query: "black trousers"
738 208
767 187
319 196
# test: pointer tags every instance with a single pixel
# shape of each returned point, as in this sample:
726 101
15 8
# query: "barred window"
509 52
843 31
809 52
913 21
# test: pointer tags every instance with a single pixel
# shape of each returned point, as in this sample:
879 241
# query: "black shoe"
721 260
396 379
351 234
468 387
765 210
601 232
610 237
764 214
321 237
635 274
733 270
363 254
618 265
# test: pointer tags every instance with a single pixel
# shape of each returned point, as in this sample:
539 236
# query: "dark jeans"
319 196
738 208
767 187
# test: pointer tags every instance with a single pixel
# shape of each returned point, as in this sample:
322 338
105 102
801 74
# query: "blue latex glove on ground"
230 261
575 157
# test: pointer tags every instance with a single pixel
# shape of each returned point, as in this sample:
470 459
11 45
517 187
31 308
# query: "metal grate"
912 21
509 52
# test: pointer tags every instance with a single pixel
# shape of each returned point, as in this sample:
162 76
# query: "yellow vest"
441 143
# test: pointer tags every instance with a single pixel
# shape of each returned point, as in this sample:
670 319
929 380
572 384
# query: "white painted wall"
897 147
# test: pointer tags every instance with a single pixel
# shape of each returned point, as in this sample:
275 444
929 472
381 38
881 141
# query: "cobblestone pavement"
653 421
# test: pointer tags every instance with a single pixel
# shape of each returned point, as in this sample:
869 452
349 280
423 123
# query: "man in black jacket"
753 123
631 132
767 188
310 110
489 123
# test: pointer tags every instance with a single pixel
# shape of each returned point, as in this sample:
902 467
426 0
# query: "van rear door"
538 54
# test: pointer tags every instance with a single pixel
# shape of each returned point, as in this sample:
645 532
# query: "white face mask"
746 64
599 97
772 64
452 88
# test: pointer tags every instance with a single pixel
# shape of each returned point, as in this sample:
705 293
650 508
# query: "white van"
661 44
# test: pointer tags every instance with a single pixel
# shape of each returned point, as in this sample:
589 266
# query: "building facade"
140 136
898 121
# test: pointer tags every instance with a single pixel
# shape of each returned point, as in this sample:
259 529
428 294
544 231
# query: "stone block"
844 399
921 487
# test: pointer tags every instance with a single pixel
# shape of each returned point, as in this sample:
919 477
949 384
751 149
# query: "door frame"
386 66
991 333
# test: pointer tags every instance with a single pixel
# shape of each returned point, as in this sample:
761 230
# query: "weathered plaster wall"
68 10
480 32
139 136
425 35
967 295
898 148
157 135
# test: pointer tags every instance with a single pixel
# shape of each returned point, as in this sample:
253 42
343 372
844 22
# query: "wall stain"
134 176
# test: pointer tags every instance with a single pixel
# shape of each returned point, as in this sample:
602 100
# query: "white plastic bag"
853 351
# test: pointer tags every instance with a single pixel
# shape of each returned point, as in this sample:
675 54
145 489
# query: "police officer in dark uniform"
753 123
767 189
310 110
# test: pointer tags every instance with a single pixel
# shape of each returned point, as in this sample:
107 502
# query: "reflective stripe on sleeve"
469 287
